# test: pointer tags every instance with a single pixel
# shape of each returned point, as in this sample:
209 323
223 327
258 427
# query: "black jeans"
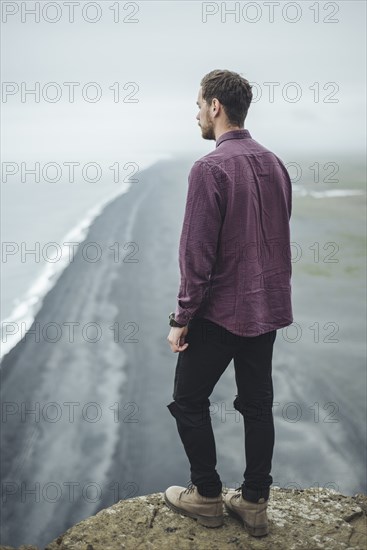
211 349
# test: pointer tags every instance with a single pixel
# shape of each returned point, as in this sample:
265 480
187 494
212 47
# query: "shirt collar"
233 134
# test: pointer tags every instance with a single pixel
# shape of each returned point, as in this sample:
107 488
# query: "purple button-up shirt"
234 254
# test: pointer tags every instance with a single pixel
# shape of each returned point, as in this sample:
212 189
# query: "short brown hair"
232 90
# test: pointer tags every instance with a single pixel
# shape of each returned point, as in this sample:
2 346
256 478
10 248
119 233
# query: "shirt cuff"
182 316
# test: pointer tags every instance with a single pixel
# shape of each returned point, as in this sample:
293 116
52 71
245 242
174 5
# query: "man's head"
223 100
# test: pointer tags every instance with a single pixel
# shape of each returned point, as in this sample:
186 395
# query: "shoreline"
28 305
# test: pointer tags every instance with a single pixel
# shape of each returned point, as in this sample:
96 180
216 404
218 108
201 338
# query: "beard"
207 131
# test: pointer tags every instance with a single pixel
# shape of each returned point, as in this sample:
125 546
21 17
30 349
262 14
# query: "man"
235 292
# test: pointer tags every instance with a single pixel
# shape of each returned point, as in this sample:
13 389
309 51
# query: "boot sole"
206 521
258 531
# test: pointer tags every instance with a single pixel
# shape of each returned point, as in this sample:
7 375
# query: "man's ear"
215 106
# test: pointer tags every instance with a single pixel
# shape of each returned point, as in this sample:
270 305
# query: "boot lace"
190 488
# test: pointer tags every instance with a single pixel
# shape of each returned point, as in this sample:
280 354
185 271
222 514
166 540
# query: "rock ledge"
299 519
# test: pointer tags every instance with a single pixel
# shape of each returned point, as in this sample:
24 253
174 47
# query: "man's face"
203 117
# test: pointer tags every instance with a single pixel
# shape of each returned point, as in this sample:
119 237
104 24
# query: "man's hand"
176 338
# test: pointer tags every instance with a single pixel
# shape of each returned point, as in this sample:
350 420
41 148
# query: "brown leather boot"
189 502
252 514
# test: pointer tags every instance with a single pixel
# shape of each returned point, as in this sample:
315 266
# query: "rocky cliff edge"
299 519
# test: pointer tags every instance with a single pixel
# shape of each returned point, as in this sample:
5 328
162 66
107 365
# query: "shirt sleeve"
199 240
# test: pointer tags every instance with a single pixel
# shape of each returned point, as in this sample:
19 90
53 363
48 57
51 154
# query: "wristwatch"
172 322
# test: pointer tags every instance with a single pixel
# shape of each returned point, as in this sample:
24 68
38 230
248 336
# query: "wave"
14 327
301 191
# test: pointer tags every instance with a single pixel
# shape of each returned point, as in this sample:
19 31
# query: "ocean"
42 225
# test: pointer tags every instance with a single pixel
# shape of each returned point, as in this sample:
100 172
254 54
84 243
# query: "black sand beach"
101 431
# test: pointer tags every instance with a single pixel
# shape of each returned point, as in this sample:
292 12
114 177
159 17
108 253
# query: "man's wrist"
173 322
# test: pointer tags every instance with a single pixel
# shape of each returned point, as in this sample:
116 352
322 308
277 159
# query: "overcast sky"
313 61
